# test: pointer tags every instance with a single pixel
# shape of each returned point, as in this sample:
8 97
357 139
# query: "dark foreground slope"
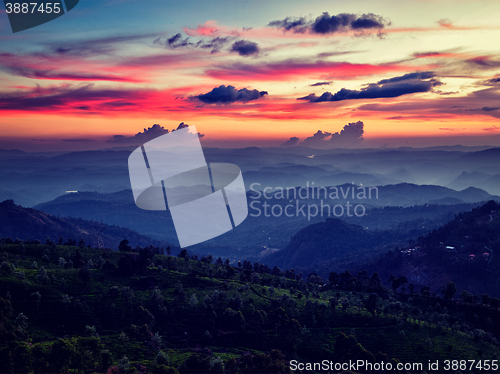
145 313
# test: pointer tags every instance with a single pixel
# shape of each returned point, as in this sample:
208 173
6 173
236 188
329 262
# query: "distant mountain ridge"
28 223
481 180
33 178
254 233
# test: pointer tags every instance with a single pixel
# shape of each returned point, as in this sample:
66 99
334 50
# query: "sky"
372 73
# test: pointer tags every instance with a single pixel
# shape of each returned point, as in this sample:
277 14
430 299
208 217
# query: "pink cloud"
210 28
293 69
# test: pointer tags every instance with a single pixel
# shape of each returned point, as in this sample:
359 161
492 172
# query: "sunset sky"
415 72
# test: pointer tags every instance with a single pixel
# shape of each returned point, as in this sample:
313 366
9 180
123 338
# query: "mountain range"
22 223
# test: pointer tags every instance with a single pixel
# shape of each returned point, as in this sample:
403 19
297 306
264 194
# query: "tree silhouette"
449 291
124 246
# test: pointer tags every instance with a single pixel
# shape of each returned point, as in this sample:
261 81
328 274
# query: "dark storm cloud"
368 21
494 81
245 48
176 41
321 84
215 44
393 87
182 125
410 76
296 24
229 94
291 142
326 24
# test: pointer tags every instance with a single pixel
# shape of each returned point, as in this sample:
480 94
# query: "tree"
375 283
495 302
36 295
90 331
124 246
125 267
156 341
20 322
162 359
193 301
124 364
449 291
485 299
42 275
66 300
184 254
78 260
466 297
179 292
22 358
216 365
84 274
371 303
5 268
397 282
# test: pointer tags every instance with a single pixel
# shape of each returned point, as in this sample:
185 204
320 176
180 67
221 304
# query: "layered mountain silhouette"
325 241
466 251
28 223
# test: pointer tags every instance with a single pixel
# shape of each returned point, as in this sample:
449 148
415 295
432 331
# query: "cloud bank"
229 94
326 24
147 135
351 135
291 142
393 87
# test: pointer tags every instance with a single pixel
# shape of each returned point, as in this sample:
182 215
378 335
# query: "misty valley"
408 269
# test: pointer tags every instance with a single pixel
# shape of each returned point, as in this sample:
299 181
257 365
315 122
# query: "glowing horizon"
428 70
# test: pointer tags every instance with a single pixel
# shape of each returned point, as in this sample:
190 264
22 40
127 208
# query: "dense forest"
65 307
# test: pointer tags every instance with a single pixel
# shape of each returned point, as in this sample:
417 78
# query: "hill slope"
19 222
466 251
180 315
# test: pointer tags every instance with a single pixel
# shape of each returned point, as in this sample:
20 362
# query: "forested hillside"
135 311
